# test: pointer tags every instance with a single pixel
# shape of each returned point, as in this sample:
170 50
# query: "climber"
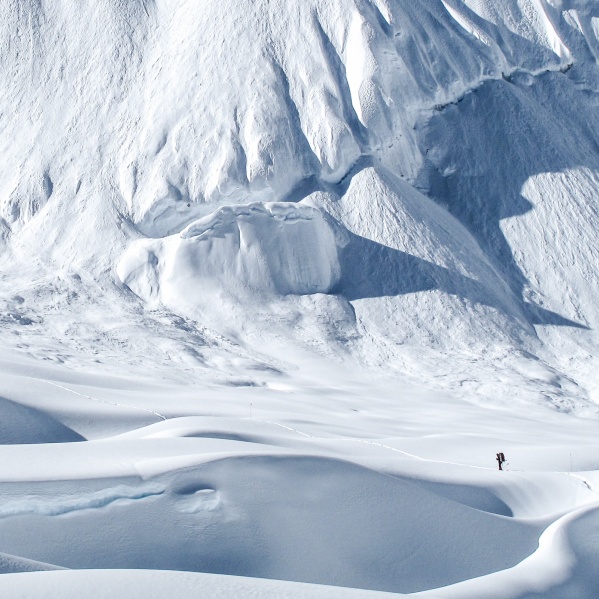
500 460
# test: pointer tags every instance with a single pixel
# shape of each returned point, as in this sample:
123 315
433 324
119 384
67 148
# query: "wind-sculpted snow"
562 566
63 505
283 517
292 272
307 484
265 248
155 105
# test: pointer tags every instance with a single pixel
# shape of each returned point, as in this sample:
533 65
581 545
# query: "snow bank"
21 424
152 584
272 248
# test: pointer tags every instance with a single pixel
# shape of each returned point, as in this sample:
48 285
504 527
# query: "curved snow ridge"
227 215
273 248
563 556
564 565
56 506
234 106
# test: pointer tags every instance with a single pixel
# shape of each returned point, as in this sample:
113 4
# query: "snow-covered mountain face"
279 278
408 185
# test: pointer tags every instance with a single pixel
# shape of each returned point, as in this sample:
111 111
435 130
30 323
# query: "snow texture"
278 280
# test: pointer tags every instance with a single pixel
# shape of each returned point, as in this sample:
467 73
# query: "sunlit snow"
279 279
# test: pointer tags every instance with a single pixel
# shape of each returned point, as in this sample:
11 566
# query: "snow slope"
278 281
156 114
321 484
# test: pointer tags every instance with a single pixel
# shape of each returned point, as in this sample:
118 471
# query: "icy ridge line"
227 215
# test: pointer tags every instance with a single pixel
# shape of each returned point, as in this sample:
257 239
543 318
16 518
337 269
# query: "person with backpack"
500 460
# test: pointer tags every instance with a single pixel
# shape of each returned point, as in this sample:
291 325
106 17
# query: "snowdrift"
355 241
291 518
274 248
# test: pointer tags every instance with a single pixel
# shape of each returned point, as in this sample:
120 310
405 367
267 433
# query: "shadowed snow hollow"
272 248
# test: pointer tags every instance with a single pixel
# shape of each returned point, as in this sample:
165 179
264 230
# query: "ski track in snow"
103 401
375 444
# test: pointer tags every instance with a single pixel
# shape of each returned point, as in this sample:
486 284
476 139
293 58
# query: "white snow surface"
277 281
273 248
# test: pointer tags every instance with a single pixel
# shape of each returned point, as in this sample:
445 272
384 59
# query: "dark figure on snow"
500 460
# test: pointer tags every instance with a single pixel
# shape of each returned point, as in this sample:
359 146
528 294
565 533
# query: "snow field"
301 490
277 282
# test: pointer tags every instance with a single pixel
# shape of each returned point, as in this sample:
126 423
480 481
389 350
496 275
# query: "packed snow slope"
451 147
278 280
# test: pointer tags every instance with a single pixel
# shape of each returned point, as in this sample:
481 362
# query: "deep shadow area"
22 425
370 269
481 150
538 315
478 498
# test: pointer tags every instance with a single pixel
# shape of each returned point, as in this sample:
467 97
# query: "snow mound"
11 564
24 425
273 248
306 519
146 584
